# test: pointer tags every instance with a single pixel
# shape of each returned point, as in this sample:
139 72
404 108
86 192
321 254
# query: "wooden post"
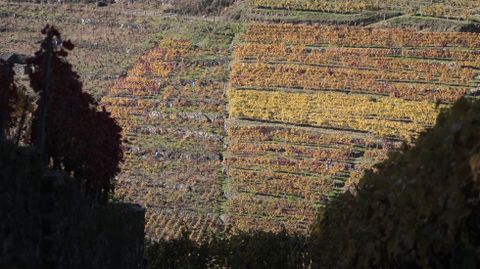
22 121
44 102
4 101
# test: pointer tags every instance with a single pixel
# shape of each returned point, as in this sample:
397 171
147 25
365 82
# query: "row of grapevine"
349 55
434 85
463 9
342 6
171 223
333 36
383 116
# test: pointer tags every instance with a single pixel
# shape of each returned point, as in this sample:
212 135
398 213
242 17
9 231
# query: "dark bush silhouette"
419 209
46 221
20 171
242 250
76 136
177 253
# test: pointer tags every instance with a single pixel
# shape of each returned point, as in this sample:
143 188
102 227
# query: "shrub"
8 97
79 138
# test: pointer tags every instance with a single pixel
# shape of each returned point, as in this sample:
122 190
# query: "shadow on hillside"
47 221
419 209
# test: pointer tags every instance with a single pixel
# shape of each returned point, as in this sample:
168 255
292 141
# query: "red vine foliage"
80 139
8 95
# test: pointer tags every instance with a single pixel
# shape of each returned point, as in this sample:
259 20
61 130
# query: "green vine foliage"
418 209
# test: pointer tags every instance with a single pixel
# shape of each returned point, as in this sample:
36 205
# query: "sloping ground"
172 108
312 107
107 40
279 174
252 14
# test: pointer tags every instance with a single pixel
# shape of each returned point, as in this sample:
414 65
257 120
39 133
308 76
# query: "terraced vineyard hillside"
261 133
263 137
312 107
172 108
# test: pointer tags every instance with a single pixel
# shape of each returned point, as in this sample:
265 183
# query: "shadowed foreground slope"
418 209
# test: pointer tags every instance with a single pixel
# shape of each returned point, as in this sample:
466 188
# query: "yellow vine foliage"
320 5
460 9
384 116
